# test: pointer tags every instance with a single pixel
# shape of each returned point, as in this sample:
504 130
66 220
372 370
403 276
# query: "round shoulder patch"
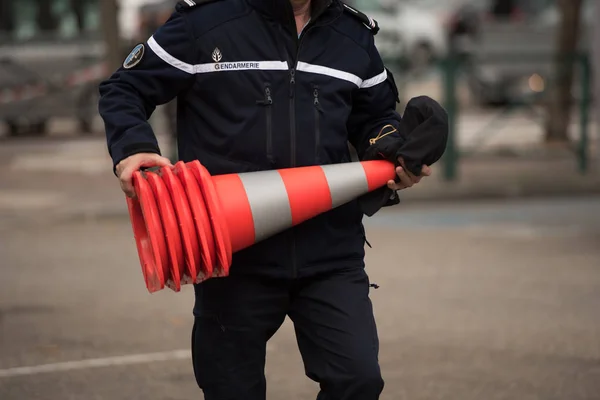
134 57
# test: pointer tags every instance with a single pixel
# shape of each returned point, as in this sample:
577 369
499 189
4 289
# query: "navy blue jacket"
252 96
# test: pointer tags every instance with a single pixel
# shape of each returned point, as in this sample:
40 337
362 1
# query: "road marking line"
96 363
59 163
29 199
103 362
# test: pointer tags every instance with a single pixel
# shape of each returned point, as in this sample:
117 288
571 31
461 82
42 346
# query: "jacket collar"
281 10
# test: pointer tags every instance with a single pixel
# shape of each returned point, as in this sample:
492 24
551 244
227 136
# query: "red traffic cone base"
187 223
187 231
147 230
199 220
171 268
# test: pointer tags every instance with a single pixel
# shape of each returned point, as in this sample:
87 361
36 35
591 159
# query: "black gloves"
420 139
426 124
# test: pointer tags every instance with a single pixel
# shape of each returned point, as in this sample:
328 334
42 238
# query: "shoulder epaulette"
365 19
185 5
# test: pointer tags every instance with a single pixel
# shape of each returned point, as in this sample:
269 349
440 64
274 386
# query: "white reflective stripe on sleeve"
264 66
169 59
343 75
374 81
335 73
190 2
214 67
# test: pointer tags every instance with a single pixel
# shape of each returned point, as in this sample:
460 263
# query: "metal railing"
453 65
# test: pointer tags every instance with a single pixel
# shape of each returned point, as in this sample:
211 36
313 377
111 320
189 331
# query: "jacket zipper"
293 158
267 102
318 111
293 116
293 84
293 130
293 96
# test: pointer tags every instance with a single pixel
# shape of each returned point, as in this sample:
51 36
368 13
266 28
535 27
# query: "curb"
447 194
102 212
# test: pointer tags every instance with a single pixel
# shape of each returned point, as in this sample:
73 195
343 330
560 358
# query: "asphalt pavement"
479 300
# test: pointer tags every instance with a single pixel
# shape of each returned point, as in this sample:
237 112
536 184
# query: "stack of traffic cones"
187 223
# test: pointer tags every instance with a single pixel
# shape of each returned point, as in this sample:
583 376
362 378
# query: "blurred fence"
527 92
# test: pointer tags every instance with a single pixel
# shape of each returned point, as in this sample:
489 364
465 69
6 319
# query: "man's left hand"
406 178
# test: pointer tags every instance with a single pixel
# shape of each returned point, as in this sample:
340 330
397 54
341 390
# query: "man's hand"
129 165
406 178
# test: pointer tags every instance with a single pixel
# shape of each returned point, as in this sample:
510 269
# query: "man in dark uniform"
270 84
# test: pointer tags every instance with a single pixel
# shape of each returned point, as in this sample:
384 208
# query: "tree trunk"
561 101
110 27
46 20
78 9
7 18
596 57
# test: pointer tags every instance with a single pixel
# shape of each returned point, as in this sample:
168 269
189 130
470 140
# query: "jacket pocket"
317 118
267 103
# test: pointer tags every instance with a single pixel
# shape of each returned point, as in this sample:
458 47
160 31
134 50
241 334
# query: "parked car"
514 53
51 61
42 44
388 40
408 32
433 27
424 31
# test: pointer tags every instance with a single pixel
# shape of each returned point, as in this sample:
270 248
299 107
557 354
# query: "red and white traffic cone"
191 225
257 205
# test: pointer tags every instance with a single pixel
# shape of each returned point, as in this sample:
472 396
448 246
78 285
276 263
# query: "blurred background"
489 271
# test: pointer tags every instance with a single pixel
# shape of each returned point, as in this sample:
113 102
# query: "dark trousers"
334 324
